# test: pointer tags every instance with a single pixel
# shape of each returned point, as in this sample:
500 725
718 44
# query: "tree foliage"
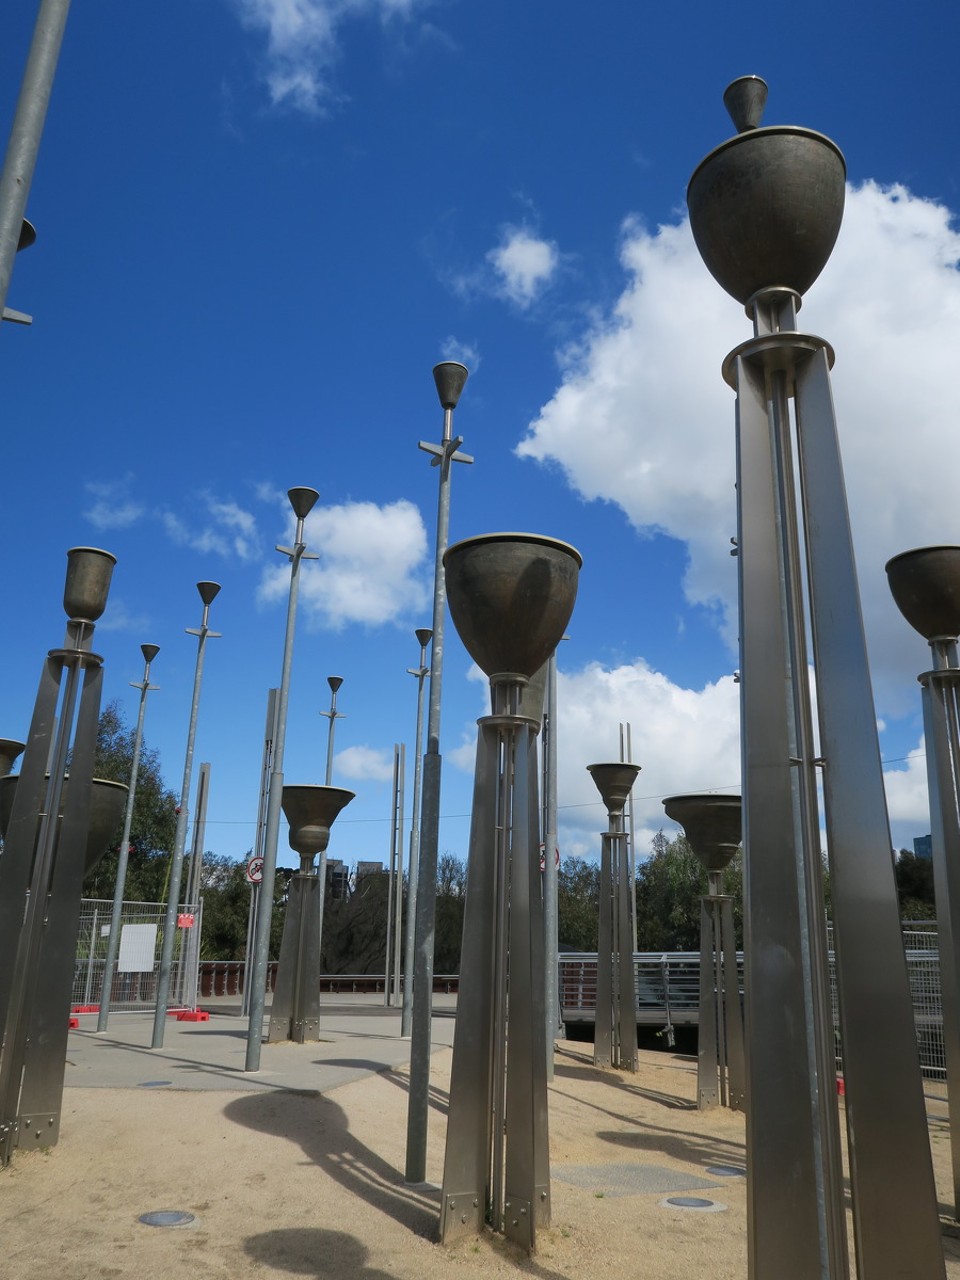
915 887
578 904
670 884
154 821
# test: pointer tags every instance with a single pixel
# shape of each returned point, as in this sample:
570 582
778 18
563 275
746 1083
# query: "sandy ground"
285 1183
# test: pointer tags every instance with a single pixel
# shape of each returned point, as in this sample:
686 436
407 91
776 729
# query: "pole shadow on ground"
321 1128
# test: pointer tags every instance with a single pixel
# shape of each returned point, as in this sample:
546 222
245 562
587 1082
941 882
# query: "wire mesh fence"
134 983
668 990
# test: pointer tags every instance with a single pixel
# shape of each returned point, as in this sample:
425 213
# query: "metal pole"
302 501
398 882
199 835
266 769
550 858
333 715
149 652
424 636
391 877
450 378
208 593
25 133
191 944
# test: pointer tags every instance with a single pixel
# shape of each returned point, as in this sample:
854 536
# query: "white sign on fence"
138 945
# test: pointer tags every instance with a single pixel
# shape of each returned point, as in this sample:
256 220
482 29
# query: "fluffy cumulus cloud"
303 42
364 764
683 740
369 566
642 417
523 265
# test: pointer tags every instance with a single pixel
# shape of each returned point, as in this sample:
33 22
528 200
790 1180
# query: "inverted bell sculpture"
10 752
89 571
765 210
766 206
450 377
712 824
614 781
925 585
310 812
511 596
107 800
295 1013
615 1031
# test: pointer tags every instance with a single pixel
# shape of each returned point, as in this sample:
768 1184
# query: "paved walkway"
358 1037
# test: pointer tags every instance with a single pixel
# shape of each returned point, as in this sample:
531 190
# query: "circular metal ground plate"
726 1171
696 1203
166 1218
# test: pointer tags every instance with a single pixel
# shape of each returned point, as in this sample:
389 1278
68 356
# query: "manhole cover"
726 1171
693 1202
166 1218
153 1084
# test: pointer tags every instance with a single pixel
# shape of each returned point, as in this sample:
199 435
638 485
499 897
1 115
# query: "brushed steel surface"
785 1180
896 1223
941 728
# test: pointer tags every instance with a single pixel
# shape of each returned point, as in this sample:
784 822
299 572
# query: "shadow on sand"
308 1251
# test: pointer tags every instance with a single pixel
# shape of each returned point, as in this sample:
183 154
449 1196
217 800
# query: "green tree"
451 897
670 884
915 887
578 903
225 891
154 823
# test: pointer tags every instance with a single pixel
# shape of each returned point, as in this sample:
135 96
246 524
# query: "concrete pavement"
358 1037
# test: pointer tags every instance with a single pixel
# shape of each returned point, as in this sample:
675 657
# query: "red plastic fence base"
193 1015
841 1087
74 1023
86 1008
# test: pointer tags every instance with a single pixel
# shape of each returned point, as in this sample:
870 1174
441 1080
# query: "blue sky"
261 222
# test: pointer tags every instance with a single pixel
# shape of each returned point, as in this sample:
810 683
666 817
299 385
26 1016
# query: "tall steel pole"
208 593
266 770
333 715
550 856
765 210
28 121
424 636
924 584
302 501
450 378
149 652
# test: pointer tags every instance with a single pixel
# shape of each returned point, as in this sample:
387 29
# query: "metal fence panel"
134 988
668 991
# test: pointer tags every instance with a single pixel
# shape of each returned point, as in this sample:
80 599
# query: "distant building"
338 879
923 846
369 869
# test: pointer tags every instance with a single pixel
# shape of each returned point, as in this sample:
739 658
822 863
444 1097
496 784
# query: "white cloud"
303 42
906 789
368 566
523 265
113 508
229 531
683 739
360 764
642 417
466 353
